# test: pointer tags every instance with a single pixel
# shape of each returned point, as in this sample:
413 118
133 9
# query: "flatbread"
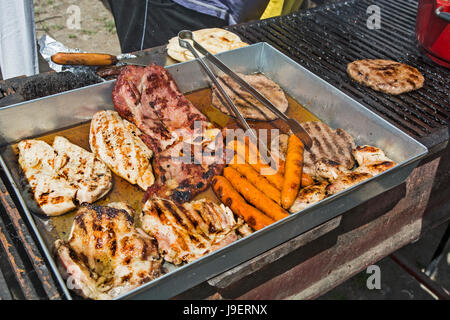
215 40
245 102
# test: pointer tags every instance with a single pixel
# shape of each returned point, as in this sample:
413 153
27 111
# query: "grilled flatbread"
386 75
215 40
245 102
117 142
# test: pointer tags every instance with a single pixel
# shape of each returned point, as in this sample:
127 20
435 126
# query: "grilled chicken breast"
105 255
385 75
118 143
309 195
52 192
188 231
63 173
84 170
371 161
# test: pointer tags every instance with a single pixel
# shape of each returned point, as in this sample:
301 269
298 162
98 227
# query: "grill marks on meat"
249 106
105 254
134 106
149 97
385 75
61 174
118 143
188 231
329 145
371 161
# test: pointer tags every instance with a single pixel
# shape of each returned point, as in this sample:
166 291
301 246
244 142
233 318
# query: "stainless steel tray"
40 116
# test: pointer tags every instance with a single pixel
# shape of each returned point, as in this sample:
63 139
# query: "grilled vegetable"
253 195
293 171
230 197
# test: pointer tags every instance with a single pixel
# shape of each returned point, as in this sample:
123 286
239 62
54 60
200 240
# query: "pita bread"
215 40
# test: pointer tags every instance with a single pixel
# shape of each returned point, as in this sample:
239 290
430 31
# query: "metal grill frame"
325 39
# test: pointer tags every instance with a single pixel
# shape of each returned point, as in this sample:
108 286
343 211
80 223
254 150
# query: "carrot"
253 195
292 172
231 198
258 181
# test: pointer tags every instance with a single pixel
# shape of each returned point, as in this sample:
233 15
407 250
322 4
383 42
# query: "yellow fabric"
273 9
281 7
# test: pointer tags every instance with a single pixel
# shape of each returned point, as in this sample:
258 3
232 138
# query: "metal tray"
41 116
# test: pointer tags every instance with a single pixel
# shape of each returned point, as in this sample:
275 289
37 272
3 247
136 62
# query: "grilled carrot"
292 172
253 195
231 198
258 181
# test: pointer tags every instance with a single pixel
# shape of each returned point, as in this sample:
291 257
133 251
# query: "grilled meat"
150 98
346 181
184 170
106 255
371 161
53 193
188 231
84 170
249 106
119 144
126 96
385 75
309 195
331 145
60 174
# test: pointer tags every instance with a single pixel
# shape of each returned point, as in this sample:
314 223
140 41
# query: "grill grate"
327 38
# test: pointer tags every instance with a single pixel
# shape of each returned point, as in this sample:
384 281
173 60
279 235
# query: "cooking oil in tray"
122 190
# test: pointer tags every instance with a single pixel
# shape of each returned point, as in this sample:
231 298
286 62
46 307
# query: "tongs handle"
296 128
186 34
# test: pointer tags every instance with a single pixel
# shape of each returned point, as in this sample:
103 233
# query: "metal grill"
326 39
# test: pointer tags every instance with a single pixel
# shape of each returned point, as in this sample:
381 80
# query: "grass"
72 36
110 26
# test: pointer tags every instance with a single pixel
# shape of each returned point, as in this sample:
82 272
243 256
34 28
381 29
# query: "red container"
433 29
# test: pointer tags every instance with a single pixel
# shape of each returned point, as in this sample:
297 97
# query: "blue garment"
232 11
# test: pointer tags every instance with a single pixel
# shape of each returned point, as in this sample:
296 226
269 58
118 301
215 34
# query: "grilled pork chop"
60 174
188 231
118 143
149 97
105 255
386 75
245 102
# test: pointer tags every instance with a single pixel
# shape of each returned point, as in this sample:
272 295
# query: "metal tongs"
296 128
